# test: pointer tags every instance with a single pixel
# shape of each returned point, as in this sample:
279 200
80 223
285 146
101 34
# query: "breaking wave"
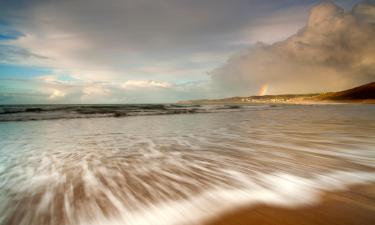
50 112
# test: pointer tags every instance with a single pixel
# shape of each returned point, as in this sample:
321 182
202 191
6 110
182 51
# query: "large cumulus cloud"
335 50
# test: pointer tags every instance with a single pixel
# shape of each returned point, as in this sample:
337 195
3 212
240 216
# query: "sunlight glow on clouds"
56 94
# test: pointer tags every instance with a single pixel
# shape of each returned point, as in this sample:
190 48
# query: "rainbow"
263 89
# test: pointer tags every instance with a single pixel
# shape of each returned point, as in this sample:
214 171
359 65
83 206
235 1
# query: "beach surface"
259 164
350 207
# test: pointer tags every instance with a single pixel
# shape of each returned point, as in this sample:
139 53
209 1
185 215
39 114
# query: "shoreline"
36 113
291 102
358 95
349 207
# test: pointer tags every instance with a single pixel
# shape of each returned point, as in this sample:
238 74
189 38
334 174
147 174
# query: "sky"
163 51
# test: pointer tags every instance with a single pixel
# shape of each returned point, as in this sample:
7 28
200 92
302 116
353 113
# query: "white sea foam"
283 190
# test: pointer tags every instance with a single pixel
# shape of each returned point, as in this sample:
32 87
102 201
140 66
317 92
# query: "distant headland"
360 94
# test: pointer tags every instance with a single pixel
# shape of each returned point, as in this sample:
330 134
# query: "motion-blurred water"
180 169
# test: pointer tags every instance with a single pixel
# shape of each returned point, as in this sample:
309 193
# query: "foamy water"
180 169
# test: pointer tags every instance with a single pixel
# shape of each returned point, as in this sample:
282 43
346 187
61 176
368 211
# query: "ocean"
175 164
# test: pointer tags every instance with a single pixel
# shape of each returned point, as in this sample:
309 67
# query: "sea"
173 164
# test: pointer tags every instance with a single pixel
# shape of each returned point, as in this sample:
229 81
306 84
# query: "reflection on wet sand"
182 169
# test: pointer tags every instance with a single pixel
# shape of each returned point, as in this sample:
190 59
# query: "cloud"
334 51
56 94
95 92
99 40
131 84
119 51
52 89
14 55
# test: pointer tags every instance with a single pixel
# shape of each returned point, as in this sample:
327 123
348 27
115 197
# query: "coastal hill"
364 92
361 94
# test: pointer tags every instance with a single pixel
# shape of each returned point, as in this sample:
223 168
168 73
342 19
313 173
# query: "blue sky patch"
17 71
8 33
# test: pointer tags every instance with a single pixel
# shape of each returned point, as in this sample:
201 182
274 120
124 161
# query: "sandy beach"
355 206
234 166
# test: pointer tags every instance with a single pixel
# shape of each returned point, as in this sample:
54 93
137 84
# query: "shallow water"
180 169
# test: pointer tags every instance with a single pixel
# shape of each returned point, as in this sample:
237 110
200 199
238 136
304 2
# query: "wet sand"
351 207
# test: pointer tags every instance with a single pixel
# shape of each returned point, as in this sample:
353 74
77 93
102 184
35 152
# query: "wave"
49 112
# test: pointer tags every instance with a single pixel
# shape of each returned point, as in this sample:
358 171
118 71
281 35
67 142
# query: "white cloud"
56 94
131 84
95 92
